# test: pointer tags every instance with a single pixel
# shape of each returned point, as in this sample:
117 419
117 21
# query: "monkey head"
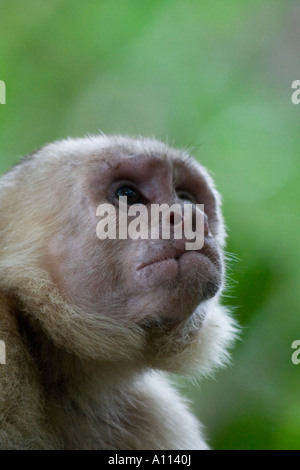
153 290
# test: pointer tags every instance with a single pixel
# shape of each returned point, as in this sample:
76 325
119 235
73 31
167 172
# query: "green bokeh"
215 76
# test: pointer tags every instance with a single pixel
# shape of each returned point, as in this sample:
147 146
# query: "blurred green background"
215 76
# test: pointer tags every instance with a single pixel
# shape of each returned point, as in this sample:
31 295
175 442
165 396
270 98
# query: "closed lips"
175 256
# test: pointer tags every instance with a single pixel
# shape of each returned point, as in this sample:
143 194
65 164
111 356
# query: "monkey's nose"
175 218
191 219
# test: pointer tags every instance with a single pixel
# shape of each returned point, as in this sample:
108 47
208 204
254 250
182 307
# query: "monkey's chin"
180 285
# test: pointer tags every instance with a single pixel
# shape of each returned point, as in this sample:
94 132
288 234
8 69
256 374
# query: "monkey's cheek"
201 276
153 275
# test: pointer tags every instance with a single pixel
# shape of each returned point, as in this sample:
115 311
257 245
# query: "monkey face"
142 280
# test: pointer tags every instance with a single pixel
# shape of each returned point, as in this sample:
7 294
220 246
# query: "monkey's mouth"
179 271
160 260
175 254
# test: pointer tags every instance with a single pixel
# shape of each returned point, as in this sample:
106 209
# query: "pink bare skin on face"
151 278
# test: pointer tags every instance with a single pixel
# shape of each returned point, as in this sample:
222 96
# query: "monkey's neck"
64 376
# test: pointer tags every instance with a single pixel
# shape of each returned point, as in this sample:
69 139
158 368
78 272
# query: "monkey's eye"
132 194
186 197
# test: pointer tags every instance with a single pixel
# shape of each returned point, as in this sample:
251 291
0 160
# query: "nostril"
175 218
172 218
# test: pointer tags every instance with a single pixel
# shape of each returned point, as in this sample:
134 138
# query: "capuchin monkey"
93 327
